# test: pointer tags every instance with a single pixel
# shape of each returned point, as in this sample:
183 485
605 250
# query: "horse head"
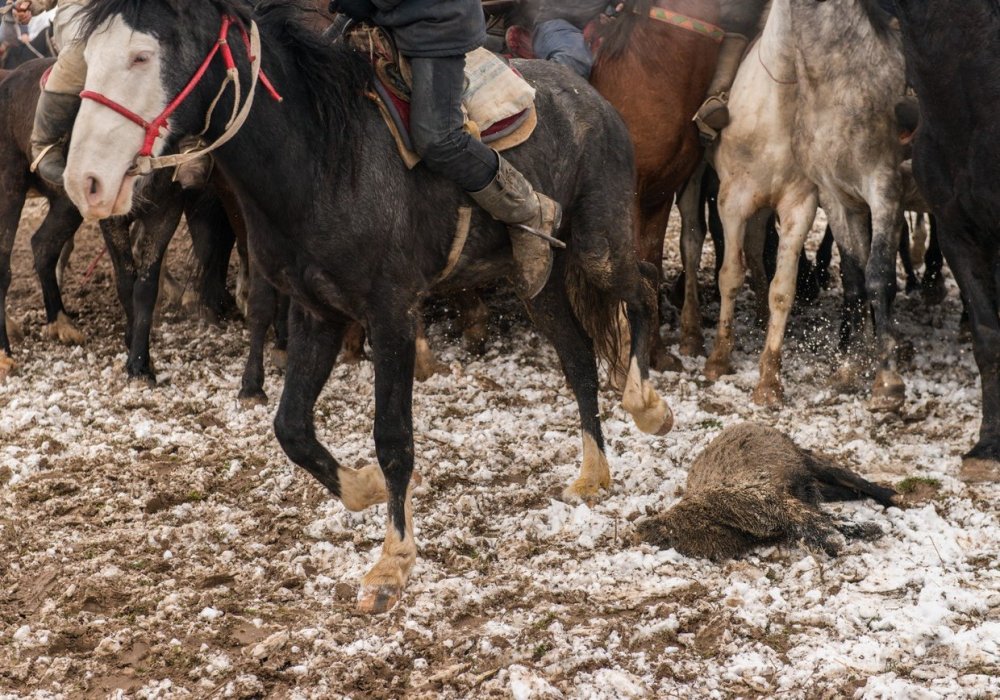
140 97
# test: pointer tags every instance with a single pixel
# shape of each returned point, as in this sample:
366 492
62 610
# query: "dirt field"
156 543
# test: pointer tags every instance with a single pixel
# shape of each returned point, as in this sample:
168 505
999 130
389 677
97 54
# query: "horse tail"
599 309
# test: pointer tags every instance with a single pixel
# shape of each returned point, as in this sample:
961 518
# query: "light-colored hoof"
363 488
888 392
769 395
978 470
15 332
376 598
716 367
587 490
6 366
63 330
847 378
692 344
279 358
651 413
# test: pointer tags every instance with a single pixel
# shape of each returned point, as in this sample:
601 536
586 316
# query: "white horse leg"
731 277
796 221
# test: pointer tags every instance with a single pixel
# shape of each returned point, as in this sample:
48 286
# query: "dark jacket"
433 28
579 13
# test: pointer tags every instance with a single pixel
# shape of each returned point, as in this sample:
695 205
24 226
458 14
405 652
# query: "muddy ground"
155 542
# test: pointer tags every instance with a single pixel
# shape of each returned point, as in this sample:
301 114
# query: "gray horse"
812 122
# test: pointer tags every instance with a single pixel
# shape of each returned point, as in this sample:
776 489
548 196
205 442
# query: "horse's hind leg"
553 316
731 278
11 201
262 303
693 232
116 237
932 285
889 390
649 411
47 244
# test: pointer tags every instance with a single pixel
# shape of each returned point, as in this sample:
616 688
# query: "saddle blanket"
498 103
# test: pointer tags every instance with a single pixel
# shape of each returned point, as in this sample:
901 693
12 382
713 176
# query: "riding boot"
54 117
713 115
532 220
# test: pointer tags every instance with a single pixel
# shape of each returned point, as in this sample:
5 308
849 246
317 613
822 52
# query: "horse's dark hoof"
252 397
933 290
145 375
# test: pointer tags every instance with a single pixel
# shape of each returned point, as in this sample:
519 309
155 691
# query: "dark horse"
137 272
338 223
19 54
952 50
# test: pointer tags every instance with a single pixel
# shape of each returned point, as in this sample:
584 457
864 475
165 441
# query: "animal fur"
752 485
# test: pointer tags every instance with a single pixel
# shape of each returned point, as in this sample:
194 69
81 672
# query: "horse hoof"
933 292
888 392
979 470
380 598
586 490
279 358
15 332
691 345
249 398
664 361
715 368
769 395
63 330
6 366
651 413
847 378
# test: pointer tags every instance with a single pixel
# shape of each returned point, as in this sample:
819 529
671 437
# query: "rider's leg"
561 42
713 115
436 125
55 112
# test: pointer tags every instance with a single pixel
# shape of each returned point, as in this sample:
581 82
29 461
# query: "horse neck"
776 44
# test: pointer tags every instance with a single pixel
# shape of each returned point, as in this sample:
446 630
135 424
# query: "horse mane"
878 17
615 36
334 77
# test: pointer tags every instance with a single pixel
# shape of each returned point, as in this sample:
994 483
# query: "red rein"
154 127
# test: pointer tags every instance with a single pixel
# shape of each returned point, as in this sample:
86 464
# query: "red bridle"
154 127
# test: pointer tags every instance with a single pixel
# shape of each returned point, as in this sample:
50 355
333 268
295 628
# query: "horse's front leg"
393 340
313 345
889 390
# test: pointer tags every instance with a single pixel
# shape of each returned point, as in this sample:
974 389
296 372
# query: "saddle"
498 103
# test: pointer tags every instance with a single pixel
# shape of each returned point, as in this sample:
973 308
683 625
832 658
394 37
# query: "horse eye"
141 58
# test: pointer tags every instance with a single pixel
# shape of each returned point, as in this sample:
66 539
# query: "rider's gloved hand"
355 9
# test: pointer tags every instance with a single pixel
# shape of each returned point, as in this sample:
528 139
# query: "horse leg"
796 220
650 413
731 278
393 341
14 191
159 224
212 241
475 318
932 285
554 317
426 363
824 256
63 263
261 311
58 227
652 231
760 246
279 353
974 267
354 344
851 231
313 345
116 238
889 390
906 258
693 232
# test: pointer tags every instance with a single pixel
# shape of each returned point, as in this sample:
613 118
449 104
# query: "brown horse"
655 71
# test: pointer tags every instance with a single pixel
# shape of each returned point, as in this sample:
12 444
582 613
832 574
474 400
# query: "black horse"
151 224
19 54
952 50
338 223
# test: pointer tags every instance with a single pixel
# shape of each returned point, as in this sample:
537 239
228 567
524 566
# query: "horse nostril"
94 190
92 185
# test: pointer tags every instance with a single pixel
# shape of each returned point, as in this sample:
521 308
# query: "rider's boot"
54 117
532 220
713 115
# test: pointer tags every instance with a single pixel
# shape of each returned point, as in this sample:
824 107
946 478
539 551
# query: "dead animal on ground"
753 486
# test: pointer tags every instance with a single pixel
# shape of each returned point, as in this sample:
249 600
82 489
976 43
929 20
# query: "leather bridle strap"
145 162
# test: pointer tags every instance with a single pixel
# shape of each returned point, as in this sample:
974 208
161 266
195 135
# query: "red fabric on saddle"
45 76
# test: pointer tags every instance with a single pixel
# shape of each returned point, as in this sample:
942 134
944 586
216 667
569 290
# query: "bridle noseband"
145 162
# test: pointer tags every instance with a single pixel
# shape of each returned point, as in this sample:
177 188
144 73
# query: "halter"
145 162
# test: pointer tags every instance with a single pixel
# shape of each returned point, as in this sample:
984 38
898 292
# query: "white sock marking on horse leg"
595 474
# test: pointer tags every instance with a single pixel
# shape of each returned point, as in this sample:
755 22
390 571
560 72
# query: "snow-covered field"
155 542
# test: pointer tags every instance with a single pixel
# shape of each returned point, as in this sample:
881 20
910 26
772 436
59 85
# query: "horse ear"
518 40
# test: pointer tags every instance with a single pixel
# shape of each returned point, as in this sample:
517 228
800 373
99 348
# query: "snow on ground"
158 544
